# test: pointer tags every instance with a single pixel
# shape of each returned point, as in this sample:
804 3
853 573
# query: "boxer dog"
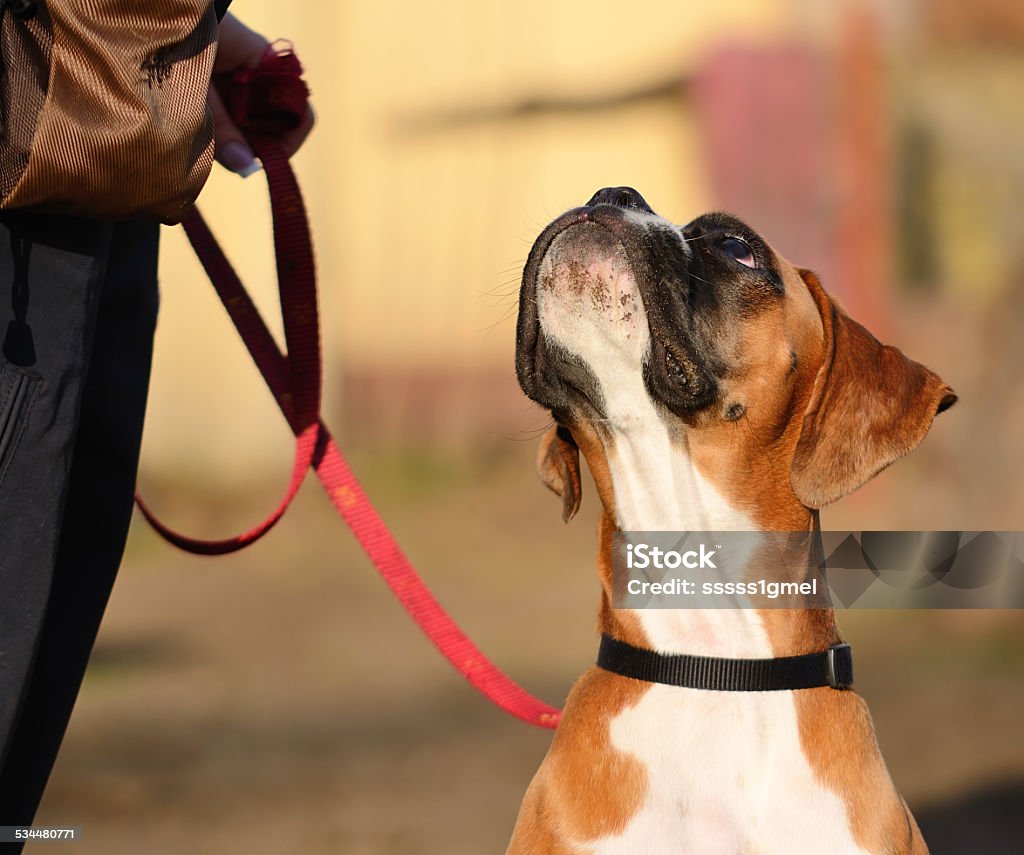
710 385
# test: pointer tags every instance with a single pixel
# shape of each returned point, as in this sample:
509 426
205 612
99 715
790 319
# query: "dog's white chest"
726 774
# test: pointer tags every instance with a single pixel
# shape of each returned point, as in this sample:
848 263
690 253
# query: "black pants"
78 305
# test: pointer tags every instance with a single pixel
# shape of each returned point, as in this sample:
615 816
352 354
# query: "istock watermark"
643 555
841 569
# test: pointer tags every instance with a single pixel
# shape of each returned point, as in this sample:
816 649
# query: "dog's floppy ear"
870 406
558 462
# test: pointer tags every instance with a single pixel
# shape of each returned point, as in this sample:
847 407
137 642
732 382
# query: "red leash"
264 100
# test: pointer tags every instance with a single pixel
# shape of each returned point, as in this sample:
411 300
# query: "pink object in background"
795 145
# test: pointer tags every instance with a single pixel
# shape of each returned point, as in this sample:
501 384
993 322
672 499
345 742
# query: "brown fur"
838 738
585 788
558 463
871 406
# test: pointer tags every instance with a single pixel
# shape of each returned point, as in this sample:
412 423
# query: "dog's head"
650 343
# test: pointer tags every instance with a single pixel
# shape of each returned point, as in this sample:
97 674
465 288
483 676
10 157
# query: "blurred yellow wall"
418 230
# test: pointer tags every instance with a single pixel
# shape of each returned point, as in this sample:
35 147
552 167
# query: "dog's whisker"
530 434
505 316
502 290
592 421
701 279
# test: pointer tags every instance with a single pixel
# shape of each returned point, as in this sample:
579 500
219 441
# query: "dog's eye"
738 250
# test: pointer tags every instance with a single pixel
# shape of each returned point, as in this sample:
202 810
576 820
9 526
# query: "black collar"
832 667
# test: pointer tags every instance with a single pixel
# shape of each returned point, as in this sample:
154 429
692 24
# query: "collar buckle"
839 664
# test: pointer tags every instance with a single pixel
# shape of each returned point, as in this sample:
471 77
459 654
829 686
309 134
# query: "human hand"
240 47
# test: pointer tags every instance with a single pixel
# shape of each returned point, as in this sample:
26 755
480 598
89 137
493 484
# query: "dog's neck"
655 487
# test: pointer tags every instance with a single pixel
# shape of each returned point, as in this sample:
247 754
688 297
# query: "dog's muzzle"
610 274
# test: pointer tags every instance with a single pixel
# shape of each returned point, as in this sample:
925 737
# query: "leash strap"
295 383
832 667
296 274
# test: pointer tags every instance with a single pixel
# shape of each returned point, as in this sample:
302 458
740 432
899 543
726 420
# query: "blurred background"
280 700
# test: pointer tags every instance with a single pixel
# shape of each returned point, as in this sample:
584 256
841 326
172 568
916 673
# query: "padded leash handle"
255 99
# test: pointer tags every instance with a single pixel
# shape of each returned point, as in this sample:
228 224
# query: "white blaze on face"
590 305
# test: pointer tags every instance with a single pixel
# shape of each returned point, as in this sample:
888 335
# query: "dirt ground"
281 701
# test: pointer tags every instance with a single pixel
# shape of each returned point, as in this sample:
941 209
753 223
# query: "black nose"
620 197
